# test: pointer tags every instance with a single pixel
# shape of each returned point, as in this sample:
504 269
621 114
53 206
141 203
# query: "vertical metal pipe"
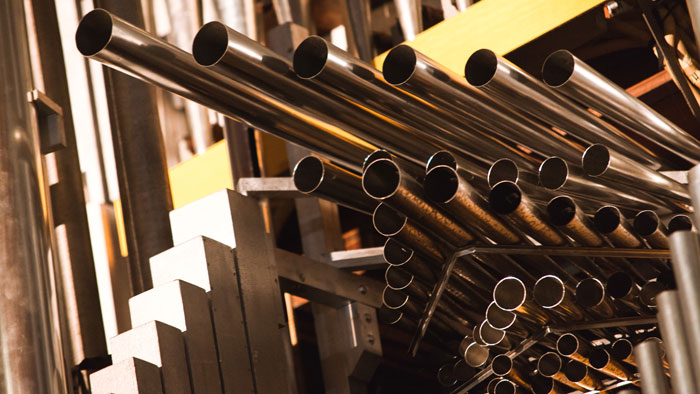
694 190
676 339
410 17
651 369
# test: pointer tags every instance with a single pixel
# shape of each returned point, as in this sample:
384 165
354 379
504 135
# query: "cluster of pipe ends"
496 157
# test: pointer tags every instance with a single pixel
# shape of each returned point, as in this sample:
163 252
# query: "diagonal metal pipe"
648 225
610 222
551 365
567 216
601 360
582 375
590 294
510 294
677 340
680 222
552 294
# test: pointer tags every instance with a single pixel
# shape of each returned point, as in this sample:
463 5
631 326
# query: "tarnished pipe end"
553 173
561 210
567 344
558 68
399 65
510 293
646 223
310 57
210 44
549 364
680 223
607 219
501 365
489 335
505 386
621 349
498 318
94 32
590 292
596 160
481 67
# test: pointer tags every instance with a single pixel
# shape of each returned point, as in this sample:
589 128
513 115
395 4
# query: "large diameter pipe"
651 369
677 341
120 45
571 76
685 260
648 225
566 215
552 294
328 181
513 87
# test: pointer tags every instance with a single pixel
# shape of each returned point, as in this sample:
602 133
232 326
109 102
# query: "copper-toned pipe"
551 365
611 223
510 294
680 223
601 360
648 225
552 294
505 320
505 367
391 223
590 295
565 214
582 375
622 350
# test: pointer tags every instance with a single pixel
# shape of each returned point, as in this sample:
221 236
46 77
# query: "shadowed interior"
394 299
399 65
446 375
476 355
372 157
441 184
599 358
498 318
389 316
442 158
549 291
557 68
567 344
395 253
646 222
549 364
561 210
462 371
94 32
553 173
387 221
589 292
505 197
481 67
310 57
501 365
619 285
575 371
596 160
607 219
648 293
509 293
490 335
505 387
308 174
680 223
542 385
502 170
381 178
210 44
397 278
621 349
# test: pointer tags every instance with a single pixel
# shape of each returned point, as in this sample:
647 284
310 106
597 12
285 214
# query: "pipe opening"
575 371
441 158
210 44
549 291
648 293
94 32
680 223
553 173
462 371
446 376
491 386
372 157
381 179
308 174
509 293
542 385
505 387
501 365
489 335
561 210
396 278
557 68
502 170
646 222
567 345
607 219
505 197
389 316
387 221
619 285
399 65
599 358
498 318
441 184
595 160
481 67
310 57
621 349
476 355
549 364
589 292
394 299
395 253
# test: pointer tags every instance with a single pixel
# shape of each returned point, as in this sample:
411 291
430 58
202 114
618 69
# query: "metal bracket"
52 135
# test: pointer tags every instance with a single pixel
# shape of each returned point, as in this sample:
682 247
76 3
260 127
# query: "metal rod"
476 355
675 336
651 369
648 225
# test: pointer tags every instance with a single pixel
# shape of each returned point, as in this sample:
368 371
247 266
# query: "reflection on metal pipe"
590 294
621 350
390 223
410 17
611 223
446 376
550 365
510 294
601 161
551 293
565 214
651 369
326 180
476 355
648 225
582 375
574 347
505 320
676 339
543 385
571 76
600 359
648 293
499 78
505 367
680 223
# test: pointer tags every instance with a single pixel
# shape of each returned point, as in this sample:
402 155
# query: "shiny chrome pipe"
552 294
410 17
651 369
582 375
543 385
569 75
414 72
601 360
550 365
506 198
390 223
120 45
385 181
473 171
600 161
519 91
680 223
510 294
505 320
566 215
476 355
574 347
444 186
648 225
677 341
400 257
505 367
622 350
590 294
610 222
648 293
328 181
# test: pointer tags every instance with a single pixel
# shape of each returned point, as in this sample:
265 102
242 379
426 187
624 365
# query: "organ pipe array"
493 159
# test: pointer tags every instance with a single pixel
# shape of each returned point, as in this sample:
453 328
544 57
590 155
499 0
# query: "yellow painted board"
201 175
499 25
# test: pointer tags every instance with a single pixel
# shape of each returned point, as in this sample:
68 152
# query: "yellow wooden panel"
201 175
499 25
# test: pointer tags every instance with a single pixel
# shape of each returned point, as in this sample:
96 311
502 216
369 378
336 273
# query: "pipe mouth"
619 285
476 335
553 173
549 291
575 371
646 223
394 299
667 278
505 386
389 316
210 44
599 358
549 364
491 386
680 223
395 253
381 179
387 221
441 158
590 292
558 68
542 385
501 365
499 318
489 335
510 293
505 197
561 210
396 278
372 157
596 160
94 32
446 376
462 371
621 349
607 219
648 293
476 355
441 184
399 65
481 67
502 170
310 57
308 174
567 345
